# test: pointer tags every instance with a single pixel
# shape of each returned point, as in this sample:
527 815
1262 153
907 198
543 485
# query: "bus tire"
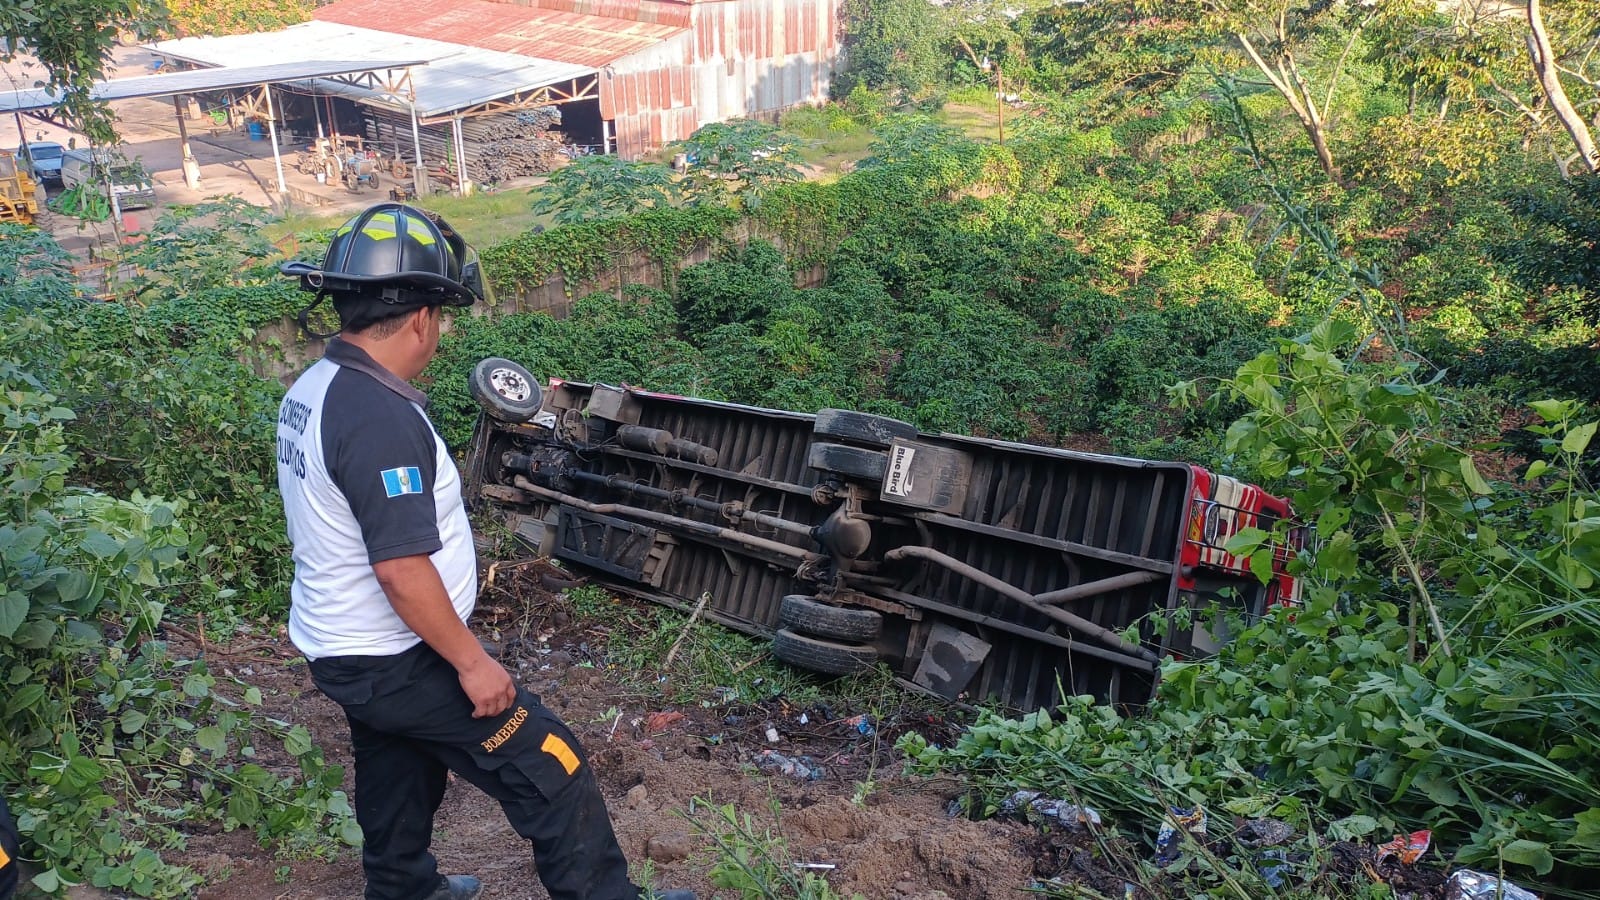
817 655
804 615
861 428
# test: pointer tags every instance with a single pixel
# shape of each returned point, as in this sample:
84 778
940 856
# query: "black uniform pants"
10 846
410 722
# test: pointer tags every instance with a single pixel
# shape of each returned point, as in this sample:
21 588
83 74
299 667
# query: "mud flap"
603 542
950 660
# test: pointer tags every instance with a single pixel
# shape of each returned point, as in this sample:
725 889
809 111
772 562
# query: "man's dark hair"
373 318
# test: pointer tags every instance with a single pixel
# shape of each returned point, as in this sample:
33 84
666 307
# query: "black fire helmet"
392 255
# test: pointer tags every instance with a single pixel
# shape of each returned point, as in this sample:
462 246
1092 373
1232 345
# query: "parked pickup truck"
976 569
129 180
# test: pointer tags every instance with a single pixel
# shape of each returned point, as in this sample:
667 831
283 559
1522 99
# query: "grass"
712 663
977 119
831 142
485 219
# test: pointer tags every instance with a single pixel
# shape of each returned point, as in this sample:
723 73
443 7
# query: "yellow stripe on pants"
558 748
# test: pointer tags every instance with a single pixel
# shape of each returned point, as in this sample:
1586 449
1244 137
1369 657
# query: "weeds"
754 862
713 665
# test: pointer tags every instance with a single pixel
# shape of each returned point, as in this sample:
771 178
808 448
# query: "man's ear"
419 321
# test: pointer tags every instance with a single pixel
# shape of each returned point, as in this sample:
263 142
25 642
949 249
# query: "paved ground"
230 162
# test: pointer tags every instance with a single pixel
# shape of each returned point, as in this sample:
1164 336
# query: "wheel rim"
510 385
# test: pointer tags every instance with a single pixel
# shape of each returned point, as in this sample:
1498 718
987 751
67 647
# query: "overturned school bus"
976 569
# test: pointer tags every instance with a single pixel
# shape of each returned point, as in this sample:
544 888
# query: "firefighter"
386 578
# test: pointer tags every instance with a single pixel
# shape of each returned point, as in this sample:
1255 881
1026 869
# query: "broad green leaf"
1552 410
82 772
13 609
35 635
100 545
1261 565
1351 827
1245 540
297 741
212 740
1534 854
133 720
1588 833
1536 468
1577 439
350 832
72 586
25 697
1469 474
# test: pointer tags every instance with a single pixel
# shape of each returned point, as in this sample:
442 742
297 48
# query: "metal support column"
190 167
420 181
463 187
272 131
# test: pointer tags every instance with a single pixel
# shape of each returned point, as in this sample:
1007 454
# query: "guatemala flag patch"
402 481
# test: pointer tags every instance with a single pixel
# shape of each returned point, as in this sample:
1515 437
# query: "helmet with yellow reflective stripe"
398 255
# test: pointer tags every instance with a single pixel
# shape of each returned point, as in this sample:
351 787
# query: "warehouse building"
628 76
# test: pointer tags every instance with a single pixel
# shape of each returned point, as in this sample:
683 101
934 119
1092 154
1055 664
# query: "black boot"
460 887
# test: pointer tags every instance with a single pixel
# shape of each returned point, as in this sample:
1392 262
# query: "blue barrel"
258 131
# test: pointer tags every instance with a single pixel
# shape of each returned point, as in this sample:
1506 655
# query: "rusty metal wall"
740 58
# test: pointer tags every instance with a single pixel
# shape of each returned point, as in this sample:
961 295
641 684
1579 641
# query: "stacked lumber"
498 147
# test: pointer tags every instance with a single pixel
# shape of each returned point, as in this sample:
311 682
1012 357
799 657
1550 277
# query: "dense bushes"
1440 674
119 745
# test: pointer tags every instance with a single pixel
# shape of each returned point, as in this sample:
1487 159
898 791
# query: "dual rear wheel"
833 640
837 640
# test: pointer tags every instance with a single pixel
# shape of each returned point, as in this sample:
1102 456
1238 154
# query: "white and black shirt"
365 478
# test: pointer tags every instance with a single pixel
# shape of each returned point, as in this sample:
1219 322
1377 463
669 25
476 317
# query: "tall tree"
73 39
894 45
1281 38
1548 68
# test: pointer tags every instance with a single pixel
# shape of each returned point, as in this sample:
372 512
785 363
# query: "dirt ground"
652 763
894 840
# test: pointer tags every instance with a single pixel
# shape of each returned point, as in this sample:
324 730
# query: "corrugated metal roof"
455 75
175 82
571 37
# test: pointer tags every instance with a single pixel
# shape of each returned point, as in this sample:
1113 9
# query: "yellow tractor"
20 198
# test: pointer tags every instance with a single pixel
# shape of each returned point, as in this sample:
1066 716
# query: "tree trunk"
1544 65
1293 89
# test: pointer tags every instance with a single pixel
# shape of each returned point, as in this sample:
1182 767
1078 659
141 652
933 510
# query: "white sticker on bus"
897 480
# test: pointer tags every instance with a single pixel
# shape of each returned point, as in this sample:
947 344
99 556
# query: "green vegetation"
753 862
708 662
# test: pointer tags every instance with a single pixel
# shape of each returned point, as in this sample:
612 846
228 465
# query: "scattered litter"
1264 832
1273 865
805 719
1169 840
862 723
955 808
801 767
1465 884
1408 848
772 735
1073 817
658 722
823 866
